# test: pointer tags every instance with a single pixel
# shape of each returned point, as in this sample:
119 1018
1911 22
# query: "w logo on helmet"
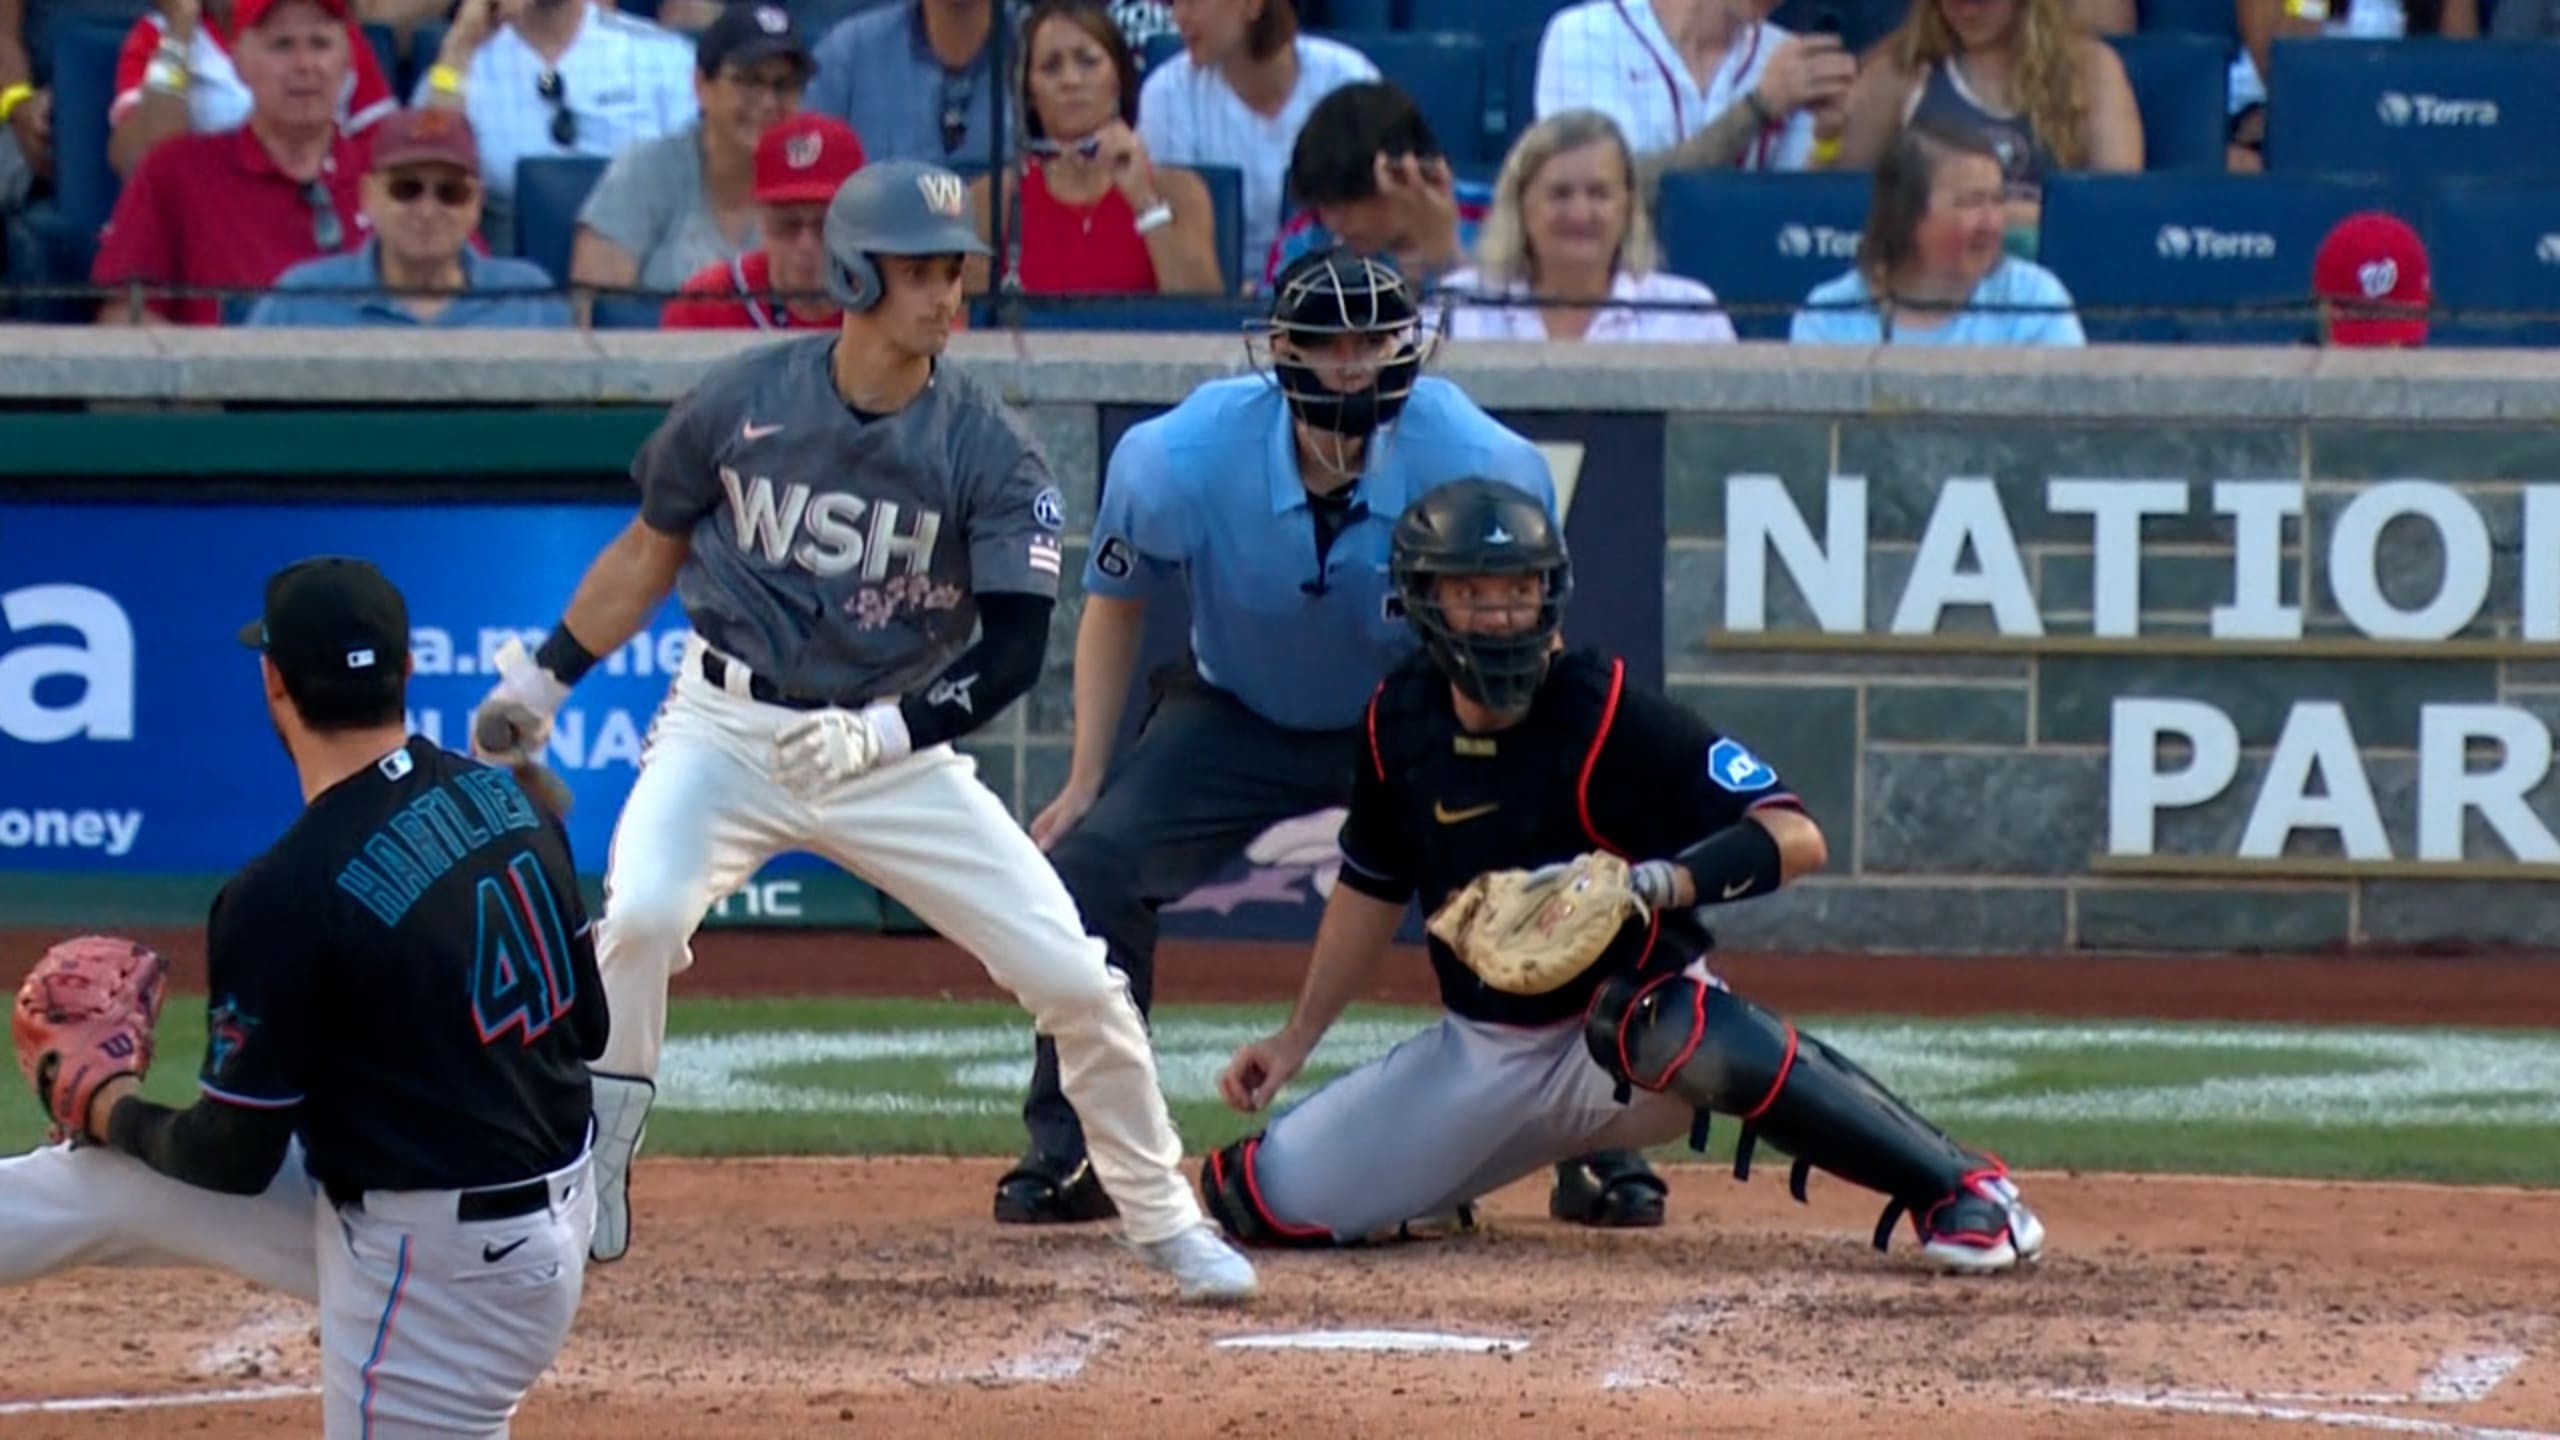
944 193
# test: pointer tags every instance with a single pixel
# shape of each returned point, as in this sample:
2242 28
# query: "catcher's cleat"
1629 1197
1982 1229
1042 1191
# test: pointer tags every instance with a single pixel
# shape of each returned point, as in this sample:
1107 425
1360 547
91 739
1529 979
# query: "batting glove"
827 748
513 722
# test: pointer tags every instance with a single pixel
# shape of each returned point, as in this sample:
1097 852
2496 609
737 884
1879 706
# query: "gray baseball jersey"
841 556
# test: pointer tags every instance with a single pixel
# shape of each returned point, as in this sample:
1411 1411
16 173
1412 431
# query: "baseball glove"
86 1014
1527 932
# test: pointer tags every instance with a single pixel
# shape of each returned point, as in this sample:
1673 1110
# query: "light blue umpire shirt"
1208 497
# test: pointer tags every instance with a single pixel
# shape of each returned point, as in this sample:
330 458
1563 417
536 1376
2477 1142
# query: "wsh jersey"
409 968
1596 764
841 555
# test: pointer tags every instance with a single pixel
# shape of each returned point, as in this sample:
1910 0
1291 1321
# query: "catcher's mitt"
1526 932
86 1014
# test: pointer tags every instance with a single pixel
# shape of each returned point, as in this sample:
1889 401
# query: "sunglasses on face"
564 121
328 232
452 194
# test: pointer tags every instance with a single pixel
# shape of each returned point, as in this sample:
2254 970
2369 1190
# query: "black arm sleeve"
232 1149
1013 640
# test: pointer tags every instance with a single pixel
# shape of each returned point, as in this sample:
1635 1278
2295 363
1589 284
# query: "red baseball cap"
804 159
425 135
250 14
2373 269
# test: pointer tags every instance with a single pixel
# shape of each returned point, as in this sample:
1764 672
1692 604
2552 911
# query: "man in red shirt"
178 72
799 164
233 209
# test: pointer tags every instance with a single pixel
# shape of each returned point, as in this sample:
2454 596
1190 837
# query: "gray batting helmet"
893 207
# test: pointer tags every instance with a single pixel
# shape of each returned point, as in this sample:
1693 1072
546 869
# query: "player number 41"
521 978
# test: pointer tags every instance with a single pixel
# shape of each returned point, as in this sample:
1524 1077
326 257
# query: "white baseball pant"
707 812
431 1327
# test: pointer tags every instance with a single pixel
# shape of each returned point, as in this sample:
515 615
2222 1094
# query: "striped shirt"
624 79
1191 116
1613 56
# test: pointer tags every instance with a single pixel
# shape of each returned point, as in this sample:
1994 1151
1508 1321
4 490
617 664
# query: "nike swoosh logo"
495 1253
754 431
1736 888
1447 816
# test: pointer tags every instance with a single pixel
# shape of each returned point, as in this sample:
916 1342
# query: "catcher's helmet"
1482 527
893 207
1336 291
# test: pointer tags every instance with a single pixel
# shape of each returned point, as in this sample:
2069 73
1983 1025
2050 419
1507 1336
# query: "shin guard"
1680 1036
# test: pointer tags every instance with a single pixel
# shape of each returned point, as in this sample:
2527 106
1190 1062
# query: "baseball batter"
1492 752
395 1106
1265 503
837 513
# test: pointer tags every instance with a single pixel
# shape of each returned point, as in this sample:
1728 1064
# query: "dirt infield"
874 1297
854 1299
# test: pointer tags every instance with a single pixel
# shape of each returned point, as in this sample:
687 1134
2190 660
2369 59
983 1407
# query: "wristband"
443 79
1825 152
165 76
563 655
13 97
1154 218
1736 863
889 725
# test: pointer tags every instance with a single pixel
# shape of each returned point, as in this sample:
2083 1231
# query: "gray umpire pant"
1205 777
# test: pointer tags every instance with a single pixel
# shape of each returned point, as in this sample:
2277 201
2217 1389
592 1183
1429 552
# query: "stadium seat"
1190 314
2421 108
1860 24
386 53
1362 15
1761 240
549 191
1226 208
1488 18
84 86
2494 245
1444 73
1157 50
2183 85
425 41
1520 87
2217 19
2203 241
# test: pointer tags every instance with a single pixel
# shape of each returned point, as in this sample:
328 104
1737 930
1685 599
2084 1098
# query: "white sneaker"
1208 1270
622 1116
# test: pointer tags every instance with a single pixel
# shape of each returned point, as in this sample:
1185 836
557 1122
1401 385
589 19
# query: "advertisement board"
1608 474
134 737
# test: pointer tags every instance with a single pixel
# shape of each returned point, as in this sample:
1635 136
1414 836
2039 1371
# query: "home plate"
1393 1340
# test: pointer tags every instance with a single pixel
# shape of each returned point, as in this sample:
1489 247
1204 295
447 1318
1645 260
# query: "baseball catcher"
1561 829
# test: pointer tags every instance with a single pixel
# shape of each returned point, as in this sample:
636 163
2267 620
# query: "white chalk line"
248 1395
256 1342
2260 1410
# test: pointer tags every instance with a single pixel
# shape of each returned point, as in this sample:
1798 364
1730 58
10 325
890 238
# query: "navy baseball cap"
331 619
745 33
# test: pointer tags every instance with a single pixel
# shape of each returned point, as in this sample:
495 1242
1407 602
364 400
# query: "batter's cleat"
1205 1268
1622 1193
622 1117
1033 1193
1982 1229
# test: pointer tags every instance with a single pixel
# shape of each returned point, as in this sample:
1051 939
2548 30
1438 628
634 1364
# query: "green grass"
831 1076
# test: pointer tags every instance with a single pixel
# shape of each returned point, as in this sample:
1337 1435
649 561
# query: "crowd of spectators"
270 175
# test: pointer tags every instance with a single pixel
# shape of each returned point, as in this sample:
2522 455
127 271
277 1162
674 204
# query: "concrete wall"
1963 770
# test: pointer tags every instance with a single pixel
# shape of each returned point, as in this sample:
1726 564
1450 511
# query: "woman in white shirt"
1236 96
1568 227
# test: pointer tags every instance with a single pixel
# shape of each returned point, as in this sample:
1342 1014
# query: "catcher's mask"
1322 297
1482 527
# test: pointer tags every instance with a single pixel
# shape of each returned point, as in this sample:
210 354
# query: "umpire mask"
1482 528
1322 297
